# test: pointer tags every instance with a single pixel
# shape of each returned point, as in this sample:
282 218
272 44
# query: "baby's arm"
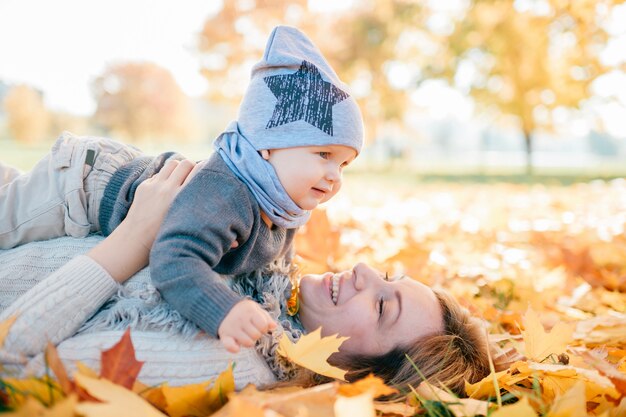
208 215
244 324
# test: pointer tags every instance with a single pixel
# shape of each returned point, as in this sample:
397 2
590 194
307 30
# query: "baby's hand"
244 324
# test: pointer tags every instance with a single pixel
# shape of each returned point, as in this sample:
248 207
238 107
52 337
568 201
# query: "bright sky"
60 46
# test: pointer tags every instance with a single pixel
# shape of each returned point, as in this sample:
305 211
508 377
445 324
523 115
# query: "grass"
25 157
548 177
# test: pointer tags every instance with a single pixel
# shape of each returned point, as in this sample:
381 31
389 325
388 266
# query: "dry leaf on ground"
5 326
119 364
116 400
539 344
312 352
370 383
520 409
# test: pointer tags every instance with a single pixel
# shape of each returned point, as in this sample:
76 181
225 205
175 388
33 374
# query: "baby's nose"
333 174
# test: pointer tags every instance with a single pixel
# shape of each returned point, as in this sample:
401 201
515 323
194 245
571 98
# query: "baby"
296 130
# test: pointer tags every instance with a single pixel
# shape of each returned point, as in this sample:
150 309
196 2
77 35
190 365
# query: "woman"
82 309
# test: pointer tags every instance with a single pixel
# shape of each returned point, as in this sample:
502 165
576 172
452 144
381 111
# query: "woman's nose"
363 275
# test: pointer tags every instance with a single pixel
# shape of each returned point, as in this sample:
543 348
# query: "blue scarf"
260 177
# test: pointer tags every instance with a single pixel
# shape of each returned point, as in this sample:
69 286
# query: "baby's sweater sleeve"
207 216
55 308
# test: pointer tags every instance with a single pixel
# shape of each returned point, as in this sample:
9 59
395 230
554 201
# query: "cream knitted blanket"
57 295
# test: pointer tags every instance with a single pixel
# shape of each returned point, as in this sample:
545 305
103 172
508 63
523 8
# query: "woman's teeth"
335 288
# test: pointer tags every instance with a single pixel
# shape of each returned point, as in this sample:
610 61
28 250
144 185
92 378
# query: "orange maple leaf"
119 364
58 368
370 383
54 362
317 244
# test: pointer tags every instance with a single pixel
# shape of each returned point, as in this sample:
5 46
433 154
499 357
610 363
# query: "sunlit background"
448 88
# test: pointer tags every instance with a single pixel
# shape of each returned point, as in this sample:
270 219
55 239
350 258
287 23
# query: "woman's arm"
55 308
126 251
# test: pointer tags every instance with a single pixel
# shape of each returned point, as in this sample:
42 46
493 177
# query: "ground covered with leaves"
545 266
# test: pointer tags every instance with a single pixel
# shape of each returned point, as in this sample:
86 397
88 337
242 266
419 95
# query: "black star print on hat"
304 95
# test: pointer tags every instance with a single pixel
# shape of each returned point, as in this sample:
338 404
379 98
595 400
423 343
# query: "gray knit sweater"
193 251
68 299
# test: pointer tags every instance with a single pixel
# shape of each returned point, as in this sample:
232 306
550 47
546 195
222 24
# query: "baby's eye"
324 155
381 305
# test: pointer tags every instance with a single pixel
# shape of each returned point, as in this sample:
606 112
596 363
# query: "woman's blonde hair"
457 354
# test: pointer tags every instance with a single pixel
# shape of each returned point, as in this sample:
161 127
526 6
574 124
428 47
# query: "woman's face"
377 315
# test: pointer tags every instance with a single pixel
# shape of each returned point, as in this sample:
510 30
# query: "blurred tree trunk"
528 140
528 73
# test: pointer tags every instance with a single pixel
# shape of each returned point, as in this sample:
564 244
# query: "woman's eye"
381 304
324 155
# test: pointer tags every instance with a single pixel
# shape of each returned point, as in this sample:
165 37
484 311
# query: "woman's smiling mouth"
334 288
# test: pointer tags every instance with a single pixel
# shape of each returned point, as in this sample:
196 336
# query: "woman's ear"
265 154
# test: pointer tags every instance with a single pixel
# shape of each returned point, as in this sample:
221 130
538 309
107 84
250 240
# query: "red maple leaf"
119 364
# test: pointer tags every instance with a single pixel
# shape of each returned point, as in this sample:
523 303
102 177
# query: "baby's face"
310 174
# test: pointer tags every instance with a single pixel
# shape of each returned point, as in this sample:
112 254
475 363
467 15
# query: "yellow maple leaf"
154 395
312 352
186 400
555 380
572 403
199 399
485 387
116 400
520 409
223 386
5 326
539 344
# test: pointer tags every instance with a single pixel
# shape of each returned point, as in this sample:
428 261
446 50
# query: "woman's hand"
127 249
154 197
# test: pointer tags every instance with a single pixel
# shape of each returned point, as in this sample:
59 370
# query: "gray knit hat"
295 98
